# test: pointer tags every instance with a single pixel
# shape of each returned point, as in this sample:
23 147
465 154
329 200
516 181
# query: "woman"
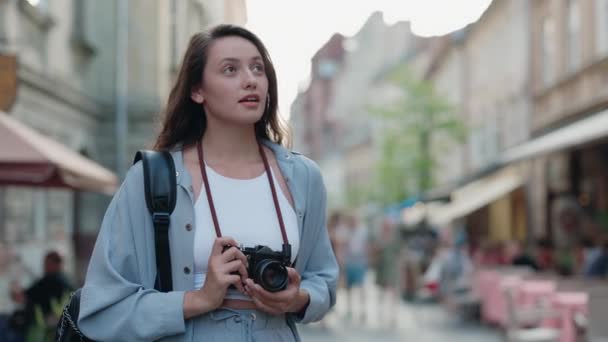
224 103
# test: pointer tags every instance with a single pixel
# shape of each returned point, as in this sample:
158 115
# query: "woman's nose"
250 81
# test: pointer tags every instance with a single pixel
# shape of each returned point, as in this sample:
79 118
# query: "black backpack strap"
160 191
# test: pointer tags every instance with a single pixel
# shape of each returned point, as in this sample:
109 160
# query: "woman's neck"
230 145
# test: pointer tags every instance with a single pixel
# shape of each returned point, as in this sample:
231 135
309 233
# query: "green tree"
411 130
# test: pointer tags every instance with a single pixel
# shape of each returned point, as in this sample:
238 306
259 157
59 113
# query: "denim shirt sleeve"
320 273
115 305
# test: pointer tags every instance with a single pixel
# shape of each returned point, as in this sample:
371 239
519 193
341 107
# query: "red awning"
29 158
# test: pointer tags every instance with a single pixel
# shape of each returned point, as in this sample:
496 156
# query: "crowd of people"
455 260
359 249
363 250
588 258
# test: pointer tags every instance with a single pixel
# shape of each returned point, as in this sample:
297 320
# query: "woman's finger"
220 243
263 306
243 271
293 276
237 282
266 296
232 267
232 254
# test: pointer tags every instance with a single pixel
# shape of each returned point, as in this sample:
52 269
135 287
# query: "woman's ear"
197 96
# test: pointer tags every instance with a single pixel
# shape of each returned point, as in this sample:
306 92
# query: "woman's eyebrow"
237 60
229 59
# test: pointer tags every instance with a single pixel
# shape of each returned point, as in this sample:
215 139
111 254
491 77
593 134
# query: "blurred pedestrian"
591 252
598 266
386 250
545 254
356 264
520 256
42 299
335 228
457 267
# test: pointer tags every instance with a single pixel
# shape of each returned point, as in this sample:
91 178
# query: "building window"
174 36
601 27
327 68
81 37
38 12
195 17
43 5
574 35
40 215
548 50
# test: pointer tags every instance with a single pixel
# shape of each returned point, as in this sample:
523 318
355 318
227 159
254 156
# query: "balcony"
575 94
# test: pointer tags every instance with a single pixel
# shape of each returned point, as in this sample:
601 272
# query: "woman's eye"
229 69
258 68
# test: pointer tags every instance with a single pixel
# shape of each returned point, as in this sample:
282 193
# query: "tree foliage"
412 126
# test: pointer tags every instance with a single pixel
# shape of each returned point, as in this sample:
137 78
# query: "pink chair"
536 292
487 281
515 333
568 304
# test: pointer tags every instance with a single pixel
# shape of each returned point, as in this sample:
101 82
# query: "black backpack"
160 191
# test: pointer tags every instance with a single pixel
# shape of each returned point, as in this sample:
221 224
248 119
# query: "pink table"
485 281
531 292
497 302
490 285
568 303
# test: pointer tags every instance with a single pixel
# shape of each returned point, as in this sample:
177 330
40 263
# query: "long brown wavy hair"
184 121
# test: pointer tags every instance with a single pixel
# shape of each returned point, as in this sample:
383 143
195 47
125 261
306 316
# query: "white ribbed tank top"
245 212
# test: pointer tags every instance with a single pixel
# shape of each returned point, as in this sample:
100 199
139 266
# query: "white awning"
413 215
578 133
478 194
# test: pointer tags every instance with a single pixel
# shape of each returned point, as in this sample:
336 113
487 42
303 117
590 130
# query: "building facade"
315 129
570 89
351 147
68 84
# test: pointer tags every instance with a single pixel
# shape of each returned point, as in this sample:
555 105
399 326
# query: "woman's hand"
292 299
223 269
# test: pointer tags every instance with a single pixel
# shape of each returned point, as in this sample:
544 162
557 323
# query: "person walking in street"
387 257
234 176
521 256
598 265
356 264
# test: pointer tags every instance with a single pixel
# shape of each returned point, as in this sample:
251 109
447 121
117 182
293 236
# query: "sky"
294 30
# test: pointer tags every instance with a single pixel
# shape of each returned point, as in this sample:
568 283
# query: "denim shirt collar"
285 160
283 156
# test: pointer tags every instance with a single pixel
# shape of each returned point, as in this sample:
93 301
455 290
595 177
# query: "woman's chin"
245 120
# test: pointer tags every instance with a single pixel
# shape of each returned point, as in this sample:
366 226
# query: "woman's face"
234 84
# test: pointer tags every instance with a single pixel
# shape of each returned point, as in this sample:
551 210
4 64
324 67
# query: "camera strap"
218 232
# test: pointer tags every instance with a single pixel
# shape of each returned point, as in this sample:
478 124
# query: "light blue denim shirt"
118 300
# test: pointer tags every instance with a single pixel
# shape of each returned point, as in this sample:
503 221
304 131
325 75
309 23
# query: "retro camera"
267 268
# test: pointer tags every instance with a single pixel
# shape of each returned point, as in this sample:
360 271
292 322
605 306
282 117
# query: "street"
416 322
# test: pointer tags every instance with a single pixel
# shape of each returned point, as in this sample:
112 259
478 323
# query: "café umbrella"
29 158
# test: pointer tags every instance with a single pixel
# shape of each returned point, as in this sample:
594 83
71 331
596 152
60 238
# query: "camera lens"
271 275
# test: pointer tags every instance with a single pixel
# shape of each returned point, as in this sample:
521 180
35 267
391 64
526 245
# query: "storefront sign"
8 81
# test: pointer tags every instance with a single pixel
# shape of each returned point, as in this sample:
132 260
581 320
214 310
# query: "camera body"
267 267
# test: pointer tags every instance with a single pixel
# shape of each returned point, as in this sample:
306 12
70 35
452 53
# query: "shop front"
55 177
490 210
570 181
